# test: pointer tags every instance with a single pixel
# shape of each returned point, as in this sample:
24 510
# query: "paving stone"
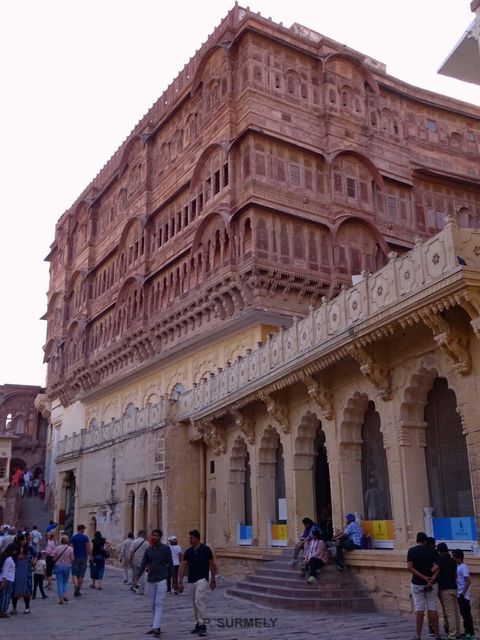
116 613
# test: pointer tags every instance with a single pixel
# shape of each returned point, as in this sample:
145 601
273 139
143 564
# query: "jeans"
38 583
62 574
346 544
5 595
173 574
99 563
157 591
466 613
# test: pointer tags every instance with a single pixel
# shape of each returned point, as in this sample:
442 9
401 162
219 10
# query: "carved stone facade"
209 362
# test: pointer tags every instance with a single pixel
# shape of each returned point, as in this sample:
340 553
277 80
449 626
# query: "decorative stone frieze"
244 423
213 435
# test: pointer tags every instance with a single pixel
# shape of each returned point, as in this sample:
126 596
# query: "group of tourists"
318 545
164 567
29 485
24 567
438 576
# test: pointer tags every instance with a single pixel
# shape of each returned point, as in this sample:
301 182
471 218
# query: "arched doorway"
143 504
321 483
240 492
92 526
375 478
280 492
130 512
446 455
271 487
157 508
70 489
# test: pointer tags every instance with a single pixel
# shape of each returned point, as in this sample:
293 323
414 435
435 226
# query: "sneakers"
312 579
27 611
202 631
293 562
196 629
154 632
339 566
76 592
125 582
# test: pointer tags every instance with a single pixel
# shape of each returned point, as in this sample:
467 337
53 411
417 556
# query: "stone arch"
312 474
130 511
364 160
92 526
132 149
357 245
143 509
197 78
271 476
216 219
359 66
221 148
157 508
412 406
446 454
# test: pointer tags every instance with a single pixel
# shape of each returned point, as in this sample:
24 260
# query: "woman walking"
63 559
99 553
50 552
24 558
7 578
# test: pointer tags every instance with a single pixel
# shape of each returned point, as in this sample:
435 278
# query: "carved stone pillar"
350 481
265 499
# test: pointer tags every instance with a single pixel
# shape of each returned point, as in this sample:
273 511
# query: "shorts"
79 567
424 599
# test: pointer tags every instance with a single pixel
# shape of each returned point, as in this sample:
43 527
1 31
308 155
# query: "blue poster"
458 529
246 532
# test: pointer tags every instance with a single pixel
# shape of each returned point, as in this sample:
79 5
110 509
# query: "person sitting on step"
316 556
306 536
349 539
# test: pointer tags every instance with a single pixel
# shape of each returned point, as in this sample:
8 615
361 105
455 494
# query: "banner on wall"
379 530
245 534
279 532
458 529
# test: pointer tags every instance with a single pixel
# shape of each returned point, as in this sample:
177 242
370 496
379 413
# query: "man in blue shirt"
348 540
82 550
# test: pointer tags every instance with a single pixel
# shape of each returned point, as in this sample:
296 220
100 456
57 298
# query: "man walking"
198 560
422 564
158 559
82 550
125 558
447 590
139 546
36 538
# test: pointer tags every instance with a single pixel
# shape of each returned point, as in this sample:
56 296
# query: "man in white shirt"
464 593
139 546
125 558
36 537
177 557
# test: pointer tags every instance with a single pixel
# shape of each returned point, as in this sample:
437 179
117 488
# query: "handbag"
105 553
55 561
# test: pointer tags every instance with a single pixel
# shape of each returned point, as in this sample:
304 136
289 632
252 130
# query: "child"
39 573
177 557
7 578
464 593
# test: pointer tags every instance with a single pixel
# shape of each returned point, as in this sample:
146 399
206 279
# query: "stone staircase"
275 584
33 511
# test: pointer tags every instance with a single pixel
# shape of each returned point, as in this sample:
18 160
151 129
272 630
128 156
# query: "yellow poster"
379 529
279 532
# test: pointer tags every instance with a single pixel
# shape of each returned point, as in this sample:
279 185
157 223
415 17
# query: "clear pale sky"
76 76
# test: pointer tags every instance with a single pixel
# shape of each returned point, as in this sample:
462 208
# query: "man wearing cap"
177 556
349 539
82 550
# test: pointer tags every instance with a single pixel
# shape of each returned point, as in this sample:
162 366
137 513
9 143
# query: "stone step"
347 604
305 590
288 573
297 582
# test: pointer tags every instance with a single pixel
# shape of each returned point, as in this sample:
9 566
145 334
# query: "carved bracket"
471 303
246 425
213 436
321 395
453 342
379 376
277 410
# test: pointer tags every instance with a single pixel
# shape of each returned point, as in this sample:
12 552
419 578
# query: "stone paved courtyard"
115 612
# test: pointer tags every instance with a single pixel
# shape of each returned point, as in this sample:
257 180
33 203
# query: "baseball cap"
350 517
